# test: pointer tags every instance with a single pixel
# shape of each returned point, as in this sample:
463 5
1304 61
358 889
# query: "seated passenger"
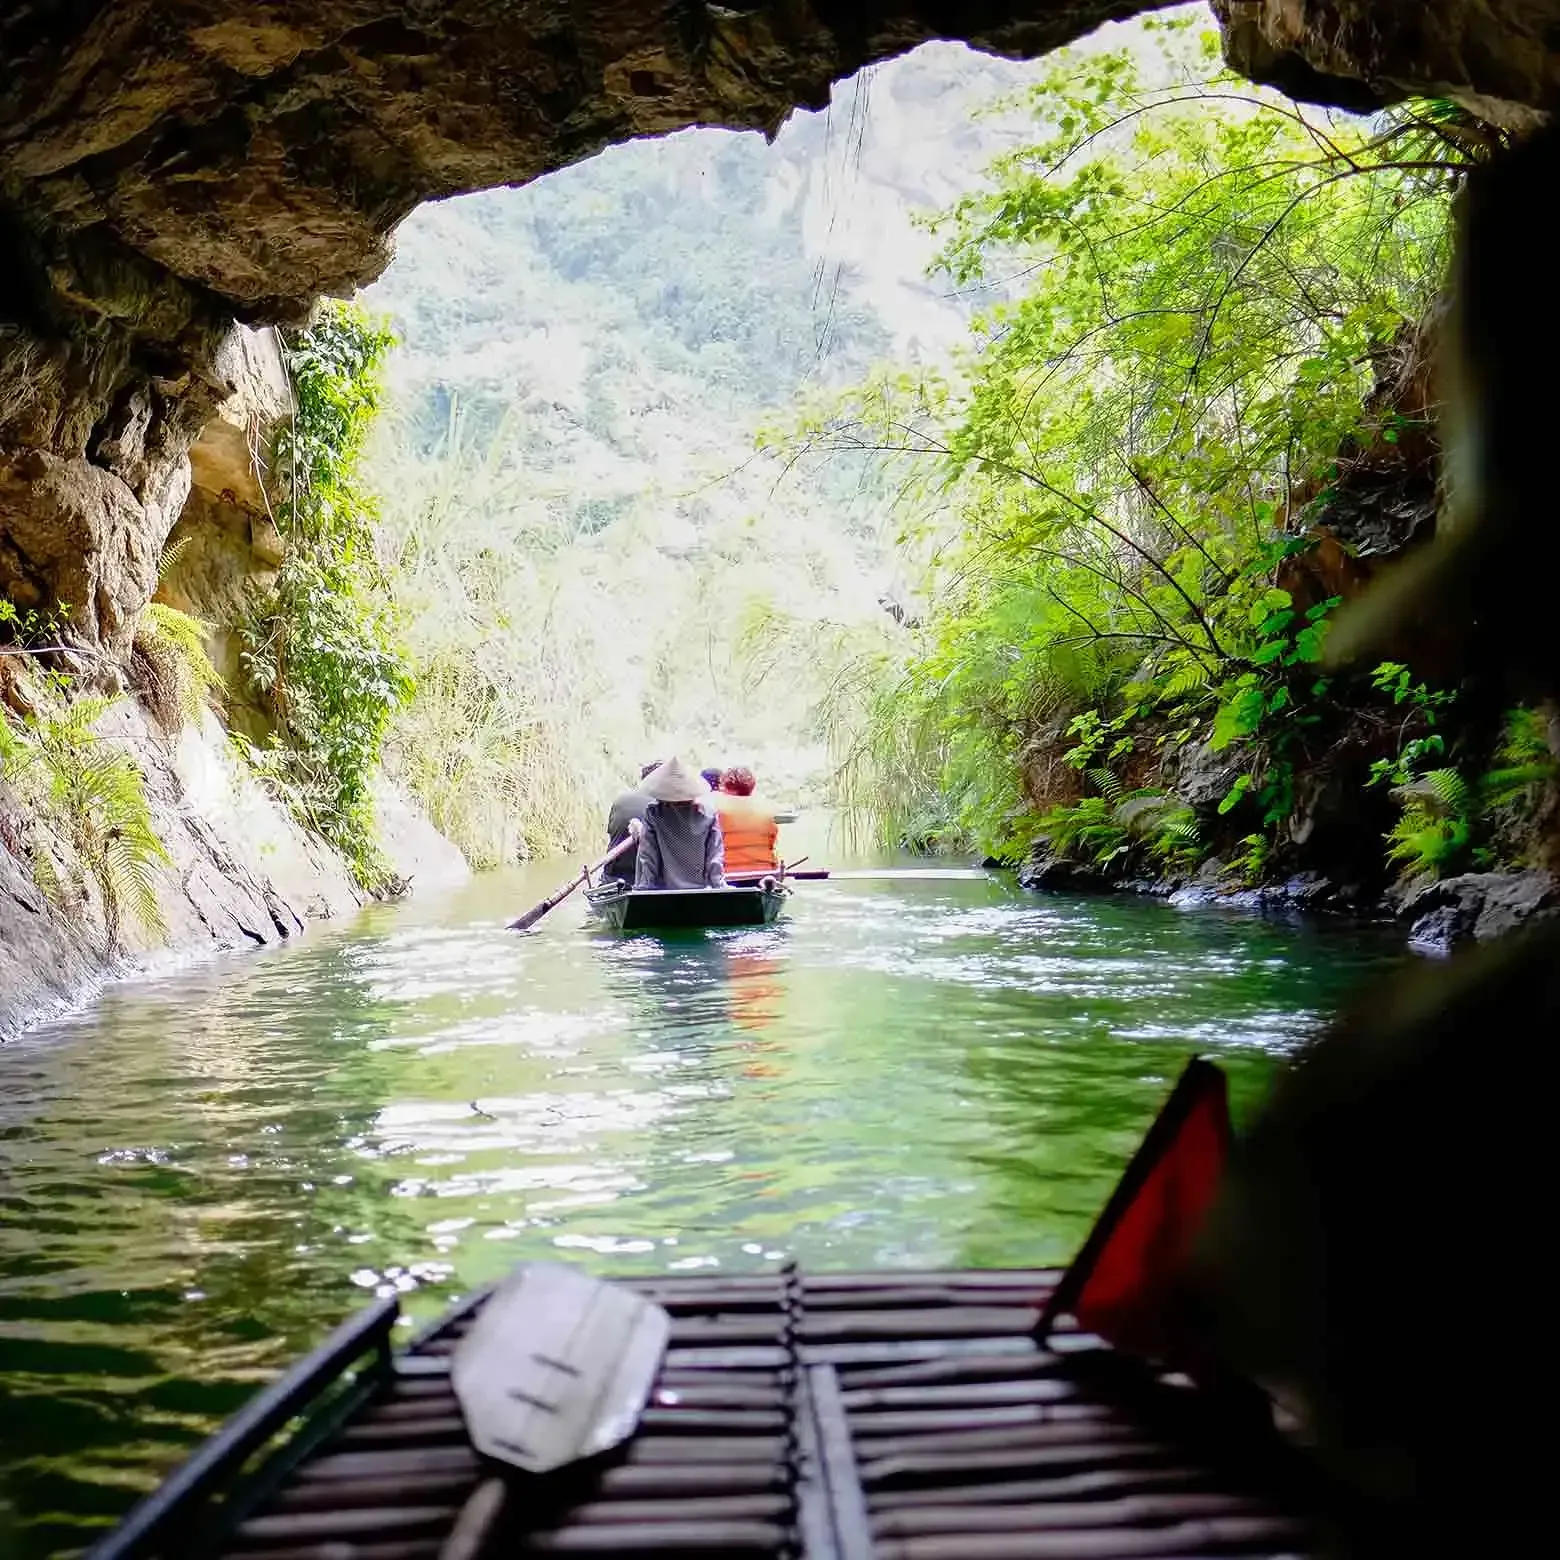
627 811
679 841
747 824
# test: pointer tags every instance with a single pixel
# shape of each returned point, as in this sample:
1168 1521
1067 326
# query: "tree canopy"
1192 288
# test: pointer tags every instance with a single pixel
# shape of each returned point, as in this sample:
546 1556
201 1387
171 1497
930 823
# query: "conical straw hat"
674 781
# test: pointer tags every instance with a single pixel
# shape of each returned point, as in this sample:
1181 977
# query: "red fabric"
1127 1294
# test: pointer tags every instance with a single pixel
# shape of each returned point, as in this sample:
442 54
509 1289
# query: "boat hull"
759 1363
692 909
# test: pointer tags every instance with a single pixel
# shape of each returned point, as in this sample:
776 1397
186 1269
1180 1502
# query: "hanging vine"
320 646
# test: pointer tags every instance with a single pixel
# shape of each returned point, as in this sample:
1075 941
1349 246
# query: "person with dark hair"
747 824
627 810
679 841
711 778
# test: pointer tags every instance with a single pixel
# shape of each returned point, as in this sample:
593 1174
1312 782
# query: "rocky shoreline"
1436 916
241 873
241 870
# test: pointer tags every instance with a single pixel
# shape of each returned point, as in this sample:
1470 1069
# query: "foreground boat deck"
872 1417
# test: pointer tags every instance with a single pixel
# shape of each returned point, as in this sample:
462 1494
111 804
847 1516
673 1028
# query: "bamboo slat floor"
874 1417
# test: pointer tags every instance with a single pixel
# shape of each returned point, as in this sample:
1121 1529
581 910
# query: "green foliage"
1448 822
1524 765
1165 825
1423 707
552 659
1443 789
31 626
590 562
172 671
1426 841
615 236
1195 282
1249 862
1109 828
320 645
86 810
1088 828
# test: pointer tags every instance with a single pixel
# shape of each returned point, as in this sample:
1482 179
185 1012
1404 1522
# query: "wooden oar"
557 1367
783 873
914 874
869 875
523 923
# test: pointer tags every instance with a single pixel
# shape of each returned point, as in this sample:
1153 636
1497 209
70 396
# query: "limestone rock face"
1478 906
225 460
1499 58
226 538
108 370
241 872
264 149
76 534
167 165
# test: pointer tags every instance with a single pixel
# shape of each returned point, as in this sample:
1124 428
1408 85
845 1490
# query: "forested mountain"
729 271
574 513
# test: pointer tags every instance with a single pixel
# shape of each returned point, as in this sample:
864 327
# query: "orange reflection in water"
756 995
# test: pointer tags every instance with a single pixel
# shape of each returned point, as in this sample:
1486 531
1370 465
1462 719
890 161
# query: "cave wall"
169 166
225 543
109 368
1499 58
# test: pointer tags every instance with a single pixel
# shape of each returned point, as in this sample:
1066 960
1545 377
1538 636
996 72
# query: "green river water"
203 1173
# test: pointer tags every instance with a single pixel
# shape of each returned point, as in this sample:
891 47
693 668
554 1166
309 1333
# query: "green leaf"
1269 602
1237 718
1310 642
1234 794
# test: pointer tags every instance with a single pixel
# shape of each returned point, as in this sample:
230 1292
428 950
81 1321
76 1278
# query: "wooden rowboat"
693 909
881 1416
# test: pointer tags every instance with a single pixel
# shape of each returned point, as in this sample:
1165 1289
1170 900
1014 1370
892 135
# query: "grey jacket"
681 848
629 806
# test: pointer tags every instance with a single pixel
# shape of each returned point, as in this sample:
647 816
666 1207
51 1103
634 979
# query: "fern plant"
1435 829
1425 842
1249 864
1167 827
1107 783
1089 829
88 804
1523 763
170 667
1439 792
98 795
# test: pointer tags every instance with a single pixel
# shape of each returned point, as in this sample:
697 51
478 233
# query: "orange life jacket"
749 830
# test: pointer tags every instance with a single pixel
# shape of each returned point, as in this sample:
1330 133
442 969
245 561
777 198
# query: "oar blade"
524 923
557 1367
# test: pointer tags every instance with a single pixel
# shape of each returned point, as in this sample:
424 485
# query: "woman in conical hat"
680 846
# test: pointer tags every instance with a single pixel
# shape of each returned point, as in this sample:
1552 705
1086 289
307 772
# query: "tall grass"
554 655
502 740
883 760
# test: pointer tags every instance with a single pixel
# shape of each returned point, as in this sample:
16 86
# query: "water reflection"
185 1177
202 1175
701 983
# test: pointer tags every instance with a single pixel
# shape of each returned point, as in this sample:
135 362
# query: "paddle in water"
524 923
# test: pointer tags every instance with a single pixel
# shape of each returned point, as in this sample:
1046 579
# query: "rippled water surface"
202 1174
